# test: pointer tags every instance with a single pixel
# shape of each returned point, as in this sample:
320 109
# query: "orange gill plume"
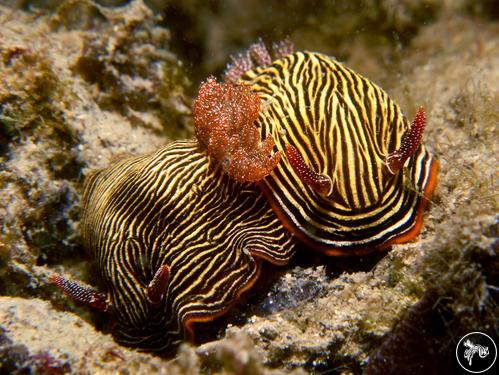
224 118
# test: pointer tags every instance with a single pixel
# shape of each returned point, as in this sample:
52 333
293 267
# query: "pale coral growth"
224 117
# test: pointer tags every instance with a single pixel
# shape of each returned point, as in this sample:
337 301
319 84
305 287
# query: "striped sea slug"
177 242
179 234
355 176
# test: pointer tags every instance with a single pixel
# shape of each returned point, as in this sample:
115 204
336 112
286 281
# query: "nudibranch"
349 174
177 242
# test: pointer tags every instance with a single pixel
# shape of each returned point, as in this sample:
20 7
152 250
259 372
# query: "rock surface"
66 343
36 338
61 78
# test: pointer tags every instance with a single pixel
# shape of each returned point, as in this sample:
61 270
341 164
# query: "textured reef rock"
61 75
84 84
66 343
36 338
60 80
